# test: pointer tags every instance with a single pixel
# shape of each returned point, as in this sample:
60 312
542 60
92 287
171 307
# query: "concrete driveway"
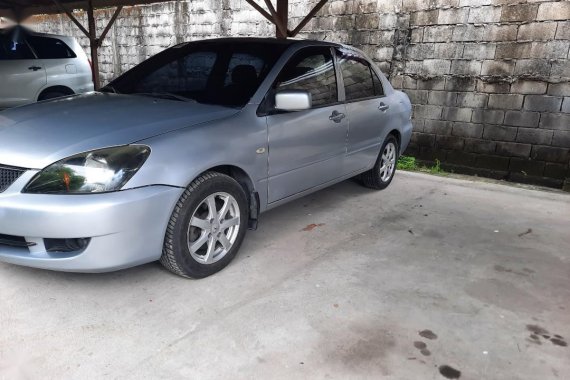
346 283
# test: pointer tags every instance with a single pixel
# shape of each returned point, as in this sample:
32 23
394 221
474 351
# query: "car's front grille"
9 175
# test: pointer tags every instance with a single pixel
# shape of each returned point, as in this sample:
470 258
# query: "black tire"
373 178
51 95
176 255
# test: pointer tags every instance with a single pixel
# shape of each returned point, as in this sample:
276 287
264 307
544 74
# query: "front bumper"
126 228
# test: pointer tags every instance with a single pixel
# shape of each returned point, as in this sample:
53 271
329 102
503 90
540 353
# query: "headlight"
92 172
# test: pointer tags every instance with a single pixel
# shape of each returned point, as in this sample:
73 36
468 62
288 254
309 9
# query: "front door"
21 74
307 148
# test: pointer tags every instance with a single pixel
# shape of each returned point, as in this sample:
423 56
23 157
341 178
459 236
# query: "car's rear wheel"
207 227
380 176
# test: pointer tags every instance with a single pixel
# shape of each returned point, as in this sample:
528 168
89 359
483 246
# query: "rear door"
368 109
307 148
59 61
21 74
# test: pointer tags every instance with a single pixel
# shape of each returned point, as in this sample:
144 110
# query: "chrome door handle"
383 107
35 68
337 116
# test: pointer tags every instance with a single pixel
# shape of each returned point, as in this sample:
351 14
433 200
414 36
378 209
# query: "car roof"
298 42
260 40
29 32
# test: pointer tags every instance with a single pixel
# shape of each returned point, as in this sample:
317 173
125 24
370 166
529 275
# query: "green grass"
436 169
409 163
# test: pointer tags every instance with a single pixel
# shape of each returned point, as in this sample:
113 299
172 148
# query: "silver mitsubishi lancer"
175 159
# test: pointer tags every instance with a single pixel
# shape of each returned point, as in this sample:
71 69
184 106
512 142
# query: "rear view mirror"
293 100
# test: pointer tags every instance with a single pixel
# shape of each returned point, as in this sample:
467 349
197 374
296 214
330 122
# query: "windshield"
222 73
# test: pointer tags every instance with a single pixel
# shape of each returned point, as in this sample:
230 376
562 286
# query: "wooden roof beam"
280 16
109 25
71 17
308 18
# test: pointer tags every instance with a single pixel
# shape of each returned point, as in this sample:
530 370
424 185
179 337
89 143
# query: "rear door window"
12 50
358 77
50 48
378 87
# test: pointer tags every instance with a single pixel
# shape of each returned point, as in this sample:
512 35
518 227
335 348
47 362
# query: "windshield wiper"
165 95
108 88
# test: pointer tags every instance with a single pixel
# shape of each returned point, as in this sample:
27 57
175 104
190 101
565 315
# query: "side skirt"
313 189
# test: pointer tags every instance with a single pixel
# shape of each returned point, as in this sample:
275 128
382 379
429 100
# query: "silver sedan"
175 159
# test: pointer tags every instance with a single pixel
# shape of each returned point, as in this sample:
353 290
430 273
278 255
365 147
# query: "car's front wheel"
380 176
207 226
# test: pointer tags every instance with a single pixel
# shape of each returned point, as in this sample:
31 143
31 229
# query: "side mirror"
293 100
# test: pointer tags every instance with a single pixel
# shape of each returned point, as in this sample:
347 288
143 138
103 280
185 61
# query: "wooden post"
262 11
308 18
93 44
283 16
109 25
91 33
71 17
280 17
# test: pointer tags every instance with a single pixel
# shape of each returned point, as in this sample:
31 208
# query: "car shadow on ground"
350 189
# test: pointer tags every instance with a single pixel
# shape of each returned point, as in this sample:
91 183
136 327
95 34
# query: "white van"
36 66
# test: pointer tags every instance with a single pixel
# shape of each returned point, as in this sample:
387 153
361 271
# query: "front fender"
178 157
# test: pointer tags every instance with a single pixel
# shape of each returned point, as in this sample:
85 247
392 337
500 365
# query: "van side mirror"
293 100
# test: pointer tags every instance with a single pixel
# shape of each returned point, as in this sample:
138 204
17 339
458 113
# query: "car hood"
37 135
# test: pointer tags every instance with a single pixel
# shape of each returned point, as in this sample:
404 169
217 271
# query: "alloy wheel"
213 228
388 162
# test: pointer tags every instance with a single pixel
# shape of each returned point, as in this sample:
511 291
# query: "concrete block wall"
489 79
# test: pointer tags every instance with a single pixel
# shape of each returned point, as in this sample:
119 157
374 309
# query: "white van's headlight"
97 171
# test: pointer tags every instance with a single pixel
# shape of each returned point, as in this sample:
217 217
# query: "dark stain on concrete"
536 329
419 345
392 218
312 226
559 342
449 372
422 347
529 231
502 269
361 347
428 334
